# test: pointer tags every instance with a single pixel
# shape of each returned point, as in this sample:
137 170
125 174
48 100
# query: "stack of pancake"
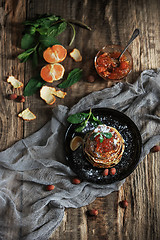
103 152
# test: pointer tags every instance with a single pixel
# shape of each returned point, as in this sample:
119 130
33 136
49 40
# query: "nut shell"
155 148
76 181
123 204
112 171
50 187
93 212
21 99
91 79
12 96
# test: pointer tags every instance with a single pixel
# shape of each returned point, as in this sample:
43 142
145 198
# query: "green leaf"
41 49
101 138
95 120
53 30
42 30
23 57
56 29
27 41
46 20
62 27
81 127
33 85
30 30
53 18
107 135
77 118
31 23
35 58
74 76
48 41
42 20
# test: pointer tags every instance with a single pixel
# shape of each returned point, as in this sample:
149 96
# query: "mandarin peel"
55 54
48 94
52 72
76 55
14 82
27 115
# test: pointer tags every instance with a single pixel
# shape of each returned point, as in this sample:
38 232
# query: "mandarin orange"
52 72
55 54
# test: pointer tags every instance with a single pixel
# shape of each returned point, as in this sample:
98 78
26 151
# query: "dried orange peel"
27 115
55 54
14 82
52 72
76 55
48 94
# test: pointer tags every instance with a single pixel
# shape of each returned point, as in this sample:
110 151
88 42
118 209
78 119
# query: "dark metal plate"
133 145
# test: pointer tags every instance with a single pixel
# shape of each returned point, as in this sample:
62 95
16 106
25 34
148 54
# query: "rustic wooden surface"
112 21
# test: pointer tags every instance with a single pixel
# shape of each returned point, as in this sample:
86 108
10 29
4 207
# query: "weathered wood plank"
12 14
10 21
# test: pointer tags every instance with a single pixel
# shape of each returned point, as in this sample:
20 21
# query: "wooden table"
112 22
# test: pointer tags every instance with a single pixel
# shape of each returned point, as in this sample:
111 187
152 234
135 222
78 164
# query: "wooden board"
112 22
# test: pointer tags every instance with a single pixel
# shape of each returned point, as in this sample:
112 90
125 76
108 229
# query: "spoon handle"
134 35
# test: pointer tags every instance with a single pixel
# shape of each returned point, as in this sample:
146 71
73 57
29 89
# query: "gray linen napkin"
30 164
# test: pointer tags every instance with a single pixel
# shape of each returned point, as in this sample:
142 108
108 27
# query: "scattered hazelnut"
12 96
112 171
93 212
91 78
76 181
50 187
21 99
105 172
155 149
123 204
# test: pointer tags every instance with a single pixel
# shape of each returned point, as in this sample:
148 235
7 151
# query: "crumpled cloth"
29 212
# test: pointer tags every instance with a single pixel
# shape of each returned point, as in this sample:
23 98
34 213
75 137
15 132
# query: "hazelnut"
76 181
123 204
112 171
105 172
155 149
12 96
93 212
91 78
21 99
50 187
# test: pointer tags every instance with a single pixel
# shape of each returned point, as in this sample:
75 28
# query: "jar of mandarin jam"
106 63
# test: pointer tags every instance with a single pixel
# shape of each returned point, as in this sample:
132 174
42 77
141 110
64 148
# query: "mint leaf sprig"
34 84
101 135
74 76
83 119
42 33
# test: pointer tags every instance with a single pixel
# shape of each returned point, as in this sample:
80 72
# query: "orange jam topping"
105 146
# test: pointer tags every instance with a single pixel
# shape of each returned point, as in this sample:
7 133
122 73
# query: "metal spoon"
134 35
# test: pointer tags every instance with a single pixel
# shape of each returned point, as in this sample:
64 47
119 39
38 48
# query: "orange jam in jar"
108 66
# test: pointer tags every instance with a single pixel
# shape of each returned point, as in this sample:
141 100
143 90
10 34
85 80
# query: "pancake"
105 152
